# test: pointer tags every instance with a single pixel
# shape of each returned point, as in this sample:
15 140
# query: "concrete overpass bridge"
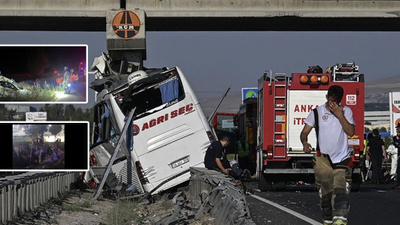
205 15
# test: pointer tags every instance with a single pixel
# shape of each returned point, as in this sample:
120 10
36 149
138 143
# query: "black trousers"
376 170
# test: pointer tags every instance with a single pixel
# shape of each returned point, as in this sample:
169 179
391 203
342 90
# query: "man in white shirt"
335 123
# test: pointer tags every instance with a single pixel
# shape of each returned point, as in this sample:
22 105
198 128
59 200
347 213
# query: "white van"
170 132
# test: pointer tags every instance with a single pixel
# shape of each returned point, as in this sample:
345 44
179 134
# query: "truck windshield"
227 123
150 94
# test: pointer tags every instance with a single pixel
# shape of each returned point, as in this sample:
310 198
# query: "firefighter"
396 143
363 166
392 151
333 123
66 78
243 153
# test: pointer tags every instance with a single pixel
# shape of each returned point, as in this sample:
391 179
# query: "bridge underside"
206 15
285 23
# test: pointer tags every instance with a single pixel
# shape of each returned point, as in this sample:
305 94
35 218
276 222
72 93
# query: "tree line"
55 112
61 112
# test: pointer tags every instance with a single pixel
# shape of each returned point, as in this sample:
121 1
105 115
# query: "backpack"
316 126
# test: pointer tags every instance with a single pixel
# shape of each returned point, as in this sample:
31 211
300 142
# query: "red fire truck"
283 105
241 124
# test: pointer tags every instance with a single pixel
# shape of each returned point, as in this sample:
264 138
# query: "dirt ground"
82 209
79 208
71 208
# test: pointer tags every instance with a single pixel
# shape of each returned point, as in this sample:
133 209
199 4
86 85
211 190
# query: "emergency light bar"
314 79
346 67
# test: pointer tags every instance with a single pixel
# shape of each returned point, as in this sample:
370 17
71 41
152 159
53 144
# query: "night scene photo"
43 73
38 146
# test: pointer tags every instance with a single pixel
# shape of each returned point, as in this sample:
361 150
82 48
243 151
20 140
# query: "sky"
214 61
30 62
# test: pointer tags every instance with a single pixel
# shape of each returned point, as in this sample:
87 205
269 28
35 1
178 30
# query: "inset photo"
43 74
38 146
44 146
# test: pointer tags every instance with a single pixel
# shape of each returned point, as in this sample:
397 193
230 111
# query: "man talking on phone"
335 122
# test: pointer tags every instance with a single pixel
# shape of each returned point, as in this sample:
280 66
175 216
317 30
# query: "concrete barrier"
23 192
220 195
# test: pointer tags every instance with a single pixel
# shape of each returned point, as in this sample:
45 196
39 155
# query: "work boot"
338 220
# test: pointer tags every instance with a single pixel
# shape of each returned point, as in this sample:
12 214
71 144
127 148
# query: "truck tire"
263 184
281 186
356 181
355 187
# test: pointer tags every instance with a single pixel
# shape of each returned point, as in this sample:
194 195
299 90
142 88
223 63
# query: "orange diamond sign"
126 24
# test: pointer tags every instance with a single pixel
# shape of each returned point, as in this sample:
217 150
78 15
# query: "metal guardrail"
220 195
23 192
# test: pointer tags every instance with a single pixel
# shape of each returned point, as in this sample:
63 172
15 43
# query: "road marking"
376 190
296 214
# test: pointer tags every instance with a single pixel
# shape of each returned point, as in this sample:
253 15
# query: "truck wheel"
263 184
355 187
279 186
356 181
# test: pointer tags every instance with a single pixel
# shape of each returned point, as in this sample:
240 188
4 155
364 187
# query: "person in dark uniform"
375 152
215 157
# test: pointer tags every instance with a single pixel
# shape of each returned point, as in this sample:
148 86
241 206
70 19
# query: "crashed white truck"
169 131
10 89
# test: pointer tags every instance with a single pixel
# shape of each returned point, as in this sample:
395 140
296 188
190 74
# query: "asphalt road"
77 95
372 205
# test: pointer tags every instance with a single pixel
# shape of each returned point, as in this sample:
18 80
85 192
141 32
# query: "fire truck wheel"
356 181
355 187
263 184
279 186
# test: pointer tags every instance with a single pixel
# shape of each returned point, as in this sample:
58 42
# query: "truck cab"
170 133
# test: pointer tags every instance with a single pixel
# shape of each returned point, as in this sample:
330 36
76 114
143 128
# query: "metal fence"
23 192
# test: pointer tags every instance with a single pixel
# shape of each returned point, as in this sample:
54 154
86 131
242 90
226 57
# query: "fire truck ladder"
280 85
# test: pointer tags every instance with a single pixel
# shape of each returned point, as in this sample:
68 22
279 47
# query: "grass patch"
123 212
77 206
165 206
128 211
36 92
